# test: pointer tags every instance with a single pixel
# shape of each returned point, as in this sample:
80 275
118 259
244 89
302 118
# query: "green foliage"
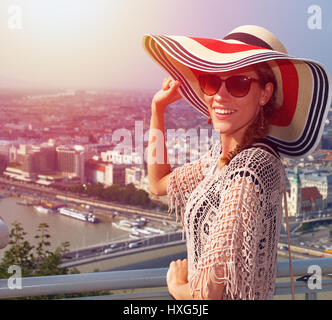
42 235
124 195
77 189
306 227
94 190
38 262
20 253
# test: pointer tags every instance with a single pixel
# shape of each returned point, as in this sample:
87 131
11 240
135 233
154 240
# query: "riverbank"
36 192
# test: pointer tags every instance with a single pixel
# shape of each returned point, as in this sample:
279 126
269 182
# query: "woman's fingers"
169 83
165 83
167 94
179 263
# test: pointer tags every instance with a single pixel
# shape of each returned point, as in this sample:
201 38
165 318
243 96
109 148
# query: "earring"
262 126
209 120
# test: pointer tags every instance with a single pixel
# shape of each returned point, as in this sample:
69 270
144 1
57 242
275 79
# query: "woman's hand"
177 275
167 94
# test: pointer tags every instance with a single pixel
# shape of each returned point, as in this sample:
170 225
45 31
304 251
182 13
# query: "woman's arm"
177 280
158 168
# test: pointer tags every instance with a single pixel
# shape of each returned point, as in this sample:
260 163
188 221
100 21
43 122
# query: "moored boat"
25 203
143 232
83 216
42 209
135 235
122 226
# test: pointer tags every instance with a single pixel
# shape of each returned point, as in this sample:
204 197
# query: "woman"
258 99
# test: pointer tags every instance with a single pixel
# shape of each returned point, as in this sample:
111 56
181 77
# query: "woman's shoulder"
262 151
256 155
256 161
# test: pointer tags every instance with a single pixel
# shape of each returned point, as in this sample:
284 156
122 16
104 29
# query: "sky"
93 44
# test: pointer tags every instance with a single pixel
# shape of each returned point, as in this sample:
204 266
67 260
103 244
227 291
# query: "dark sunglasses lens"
238 86
210 84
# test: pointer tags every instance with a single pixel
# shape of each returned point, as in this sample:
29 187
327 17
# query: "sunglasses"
237 86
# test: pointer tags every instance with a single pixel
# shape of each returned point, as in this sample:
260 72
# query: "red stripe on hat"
225 47
290 87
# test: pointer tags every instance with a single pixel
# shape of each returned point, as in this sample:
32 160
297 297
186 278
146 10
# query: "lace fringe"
289 247
202 279
175 202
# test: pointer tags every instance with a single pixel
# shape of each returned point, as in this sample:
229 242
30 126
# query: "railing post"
311 295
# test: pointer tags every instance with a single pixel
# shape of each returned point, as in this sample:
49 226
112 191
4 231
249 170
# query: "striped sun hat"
303 91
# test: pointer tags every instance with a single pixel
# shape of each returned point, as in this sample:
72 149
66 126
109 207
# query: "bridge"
124 251
311 222
153 250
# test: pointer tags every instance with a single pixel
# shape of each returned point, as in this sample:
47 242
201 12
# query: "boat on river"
42 209
79 215
25 203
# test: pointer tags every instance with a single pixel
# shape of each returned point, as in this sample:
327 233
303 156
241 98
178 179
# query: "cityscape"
56 146
71 138
49 138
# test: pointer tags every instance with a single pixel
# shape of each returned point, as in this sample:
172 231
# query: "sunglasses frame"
229 89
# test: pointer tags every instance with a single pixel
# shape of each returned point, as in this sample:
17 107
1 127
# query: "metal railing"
156 278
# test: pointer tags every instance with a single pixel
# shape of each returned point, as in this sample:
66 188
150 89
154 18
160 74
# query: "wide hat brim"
303 86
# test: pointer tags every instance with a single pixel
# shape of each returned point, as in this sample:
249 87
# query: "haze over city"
97 44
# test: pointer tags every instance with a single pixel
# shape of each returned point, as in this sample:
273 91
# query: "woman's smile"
223 113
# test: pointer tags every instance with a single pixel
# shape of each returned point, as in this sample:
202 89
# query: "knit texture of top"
231 219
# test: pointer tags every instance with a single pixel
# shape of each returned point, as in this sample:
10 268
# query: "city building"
70 162
323 182
137 176
98 172
33 159
312 200
119 174
116 157
4 157
295 195
303 200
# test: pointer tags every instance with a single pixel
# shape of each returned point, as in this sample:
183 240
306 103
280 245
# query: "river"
61 228
81 234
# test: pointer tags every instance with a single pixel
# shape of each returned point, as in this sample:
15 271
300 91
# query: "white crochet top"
231 220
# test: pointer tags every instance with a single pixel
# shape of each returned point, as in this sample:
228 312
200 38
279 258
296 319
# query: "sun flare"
62 17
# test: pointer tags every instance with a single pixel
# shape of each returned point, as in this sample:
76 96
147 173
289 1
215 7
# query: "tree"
126 195
95 190
77 189
20 253
41 263
43 237
47 261
49 265
44 263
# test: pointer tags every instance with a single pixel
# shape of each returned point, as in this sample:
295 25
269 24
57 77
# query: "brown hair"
256 130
